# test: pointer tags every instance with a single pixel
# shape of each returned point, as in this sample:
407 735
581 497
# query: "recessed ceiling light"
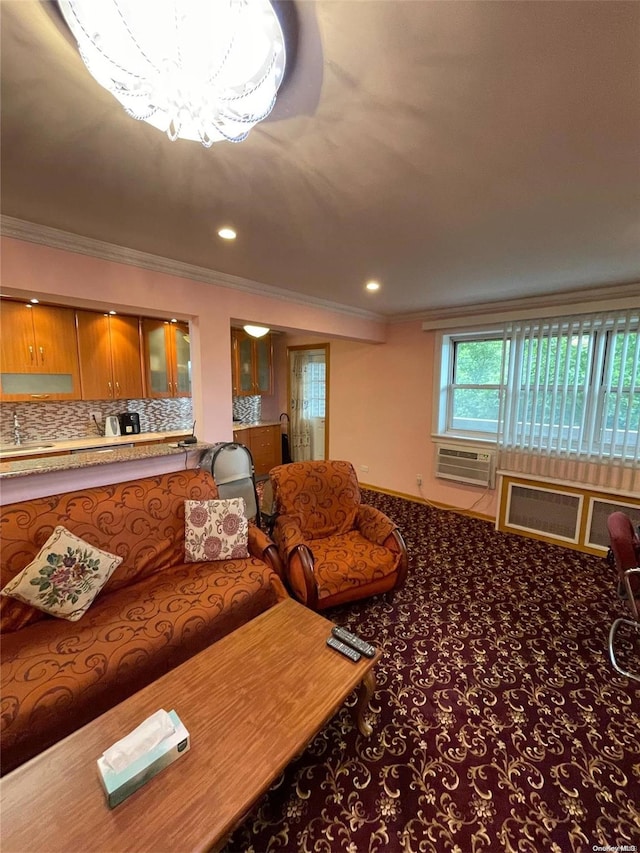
373 285
34 301
227 234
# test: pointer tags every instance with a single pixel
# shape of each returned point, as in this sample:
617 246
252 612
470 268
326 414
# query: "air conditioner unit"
459 463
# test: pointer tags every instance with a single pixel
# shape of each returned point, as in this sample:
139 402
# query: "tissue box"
119 786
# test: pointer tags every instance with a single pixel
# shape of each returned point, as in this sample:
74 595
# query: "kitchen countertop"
44 446
237 426
94 457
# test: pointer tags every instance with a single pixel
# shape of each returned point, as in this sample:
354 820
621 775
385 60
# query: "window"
315 386
476 386
567 386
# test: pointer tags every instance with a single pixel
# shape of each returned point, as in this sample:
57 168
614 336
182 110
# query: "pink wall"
380 413
381 376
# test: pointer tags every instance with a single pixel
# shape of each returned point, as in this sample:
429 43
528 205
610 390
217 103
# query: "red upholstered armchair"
334 548
625 547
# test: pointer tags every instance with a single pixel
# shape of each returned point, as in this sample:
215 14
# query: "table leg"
365 692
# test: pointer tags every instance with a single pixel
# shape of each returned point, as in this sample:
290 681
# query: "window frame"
595 388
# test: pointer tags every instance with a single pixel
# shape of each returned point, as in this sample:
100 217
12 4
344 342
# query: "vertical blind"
570 406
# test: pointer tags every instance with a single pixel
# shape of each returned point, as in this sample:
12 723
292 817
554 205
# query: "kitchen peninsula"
82 463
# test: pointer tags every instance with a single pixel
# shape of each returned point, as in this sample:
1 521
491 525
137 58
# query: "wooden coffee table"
251 702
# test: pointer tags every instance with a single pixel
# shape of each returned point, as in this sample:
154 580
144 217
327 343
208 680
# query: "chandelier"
206 70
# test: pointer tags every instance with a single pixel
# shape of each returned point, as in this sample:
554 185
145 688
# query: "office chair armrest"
374 525
263 548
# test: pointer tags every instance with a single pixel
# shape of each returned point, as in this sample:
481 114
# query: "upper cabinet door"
110 364
124 334
181 347
251 360
38 353
94 347
167 354
263 365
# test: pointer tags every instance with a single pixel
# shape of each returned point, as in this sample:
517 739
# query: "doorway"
307 387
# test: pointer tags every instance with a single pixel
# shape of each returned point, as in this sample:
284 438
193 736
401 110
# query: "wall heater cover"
464 465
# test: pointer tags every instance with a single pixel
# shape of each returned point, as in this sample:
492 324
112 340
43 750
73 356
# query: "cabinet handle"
42 354
40 396
31 353
110 389
117 389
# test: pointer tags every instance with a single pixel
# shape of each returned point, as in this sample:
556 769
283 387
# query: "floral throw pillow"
65 576
215 530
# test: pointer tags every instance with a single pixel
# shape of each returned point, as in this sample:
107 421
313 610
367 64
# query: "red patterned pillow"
215 530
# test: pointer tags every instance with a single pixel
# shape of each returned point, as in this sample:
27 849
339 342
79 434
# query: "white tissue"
143 738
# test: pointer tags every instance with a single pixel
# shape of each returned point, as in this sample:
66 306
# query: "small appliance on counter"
129 423
112 426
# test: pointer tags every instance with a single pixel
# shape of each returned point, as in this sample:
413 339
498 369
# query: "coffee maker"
129 423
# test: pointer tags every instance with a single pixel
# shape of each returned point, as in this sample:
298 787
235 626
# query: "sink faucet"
17 439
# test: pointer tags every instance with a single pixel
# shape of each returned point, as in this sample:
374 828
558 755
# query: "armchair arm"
260 546
297 558
373 524
377 527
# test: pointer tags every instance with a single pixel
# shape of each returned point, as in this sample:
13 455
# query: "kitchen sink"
10 450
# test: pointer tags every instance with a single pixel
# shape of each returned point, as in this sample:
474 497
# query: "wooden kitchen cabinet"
252 364
265 444
167 357
110 362
38 353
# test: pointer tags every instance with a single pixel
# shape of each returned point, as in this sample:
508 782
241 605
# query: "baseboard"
424 502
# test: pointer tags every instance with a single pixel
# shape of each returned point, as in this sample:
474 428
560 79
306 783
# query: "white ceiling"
459 152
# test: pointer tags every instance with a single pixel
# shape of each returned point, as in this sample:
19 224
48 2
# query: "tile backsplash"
55 421
247 410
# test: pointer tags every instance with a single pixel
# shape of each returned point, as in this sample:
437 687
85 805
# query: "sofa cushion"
367 561
65 576
215 530
58 675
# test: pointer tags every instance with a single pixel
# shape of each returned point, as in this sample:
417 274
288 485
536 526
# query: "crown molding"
580 301
54 238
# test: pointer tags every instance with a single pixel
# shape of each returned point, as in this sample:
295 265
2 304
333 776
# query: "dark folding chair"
625 548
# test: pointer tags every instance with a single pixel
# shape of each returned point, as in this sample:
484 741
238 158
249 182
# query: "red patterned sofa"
155 611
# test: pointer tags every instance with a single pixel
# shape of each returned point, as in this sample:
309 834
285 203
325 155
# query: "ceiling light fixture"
257 331
373 285
206 70
227 234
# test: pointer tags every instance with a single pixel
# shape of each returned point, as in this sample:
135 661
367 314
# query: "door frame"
327 349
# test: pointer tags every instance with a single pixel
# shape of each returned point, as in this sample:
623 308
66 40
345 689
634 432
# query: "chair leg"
612 636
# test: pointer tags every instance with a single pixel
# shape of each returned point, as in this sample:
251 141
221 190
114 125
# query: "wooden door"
94 346
124 333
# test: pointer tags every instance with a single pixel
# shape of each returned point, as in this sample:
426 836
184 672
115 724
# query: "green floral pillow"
65 576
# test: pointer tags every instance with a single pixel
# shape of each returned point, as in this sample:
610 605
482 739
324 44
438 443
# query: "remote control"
347 651
354 641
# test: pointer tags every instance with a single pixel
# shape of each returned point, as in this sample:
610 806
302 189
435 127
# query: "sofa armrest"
297 558
374 525
263 548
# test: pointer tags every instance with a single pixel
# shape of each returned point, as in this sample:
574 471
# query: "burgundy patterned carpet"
499 723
